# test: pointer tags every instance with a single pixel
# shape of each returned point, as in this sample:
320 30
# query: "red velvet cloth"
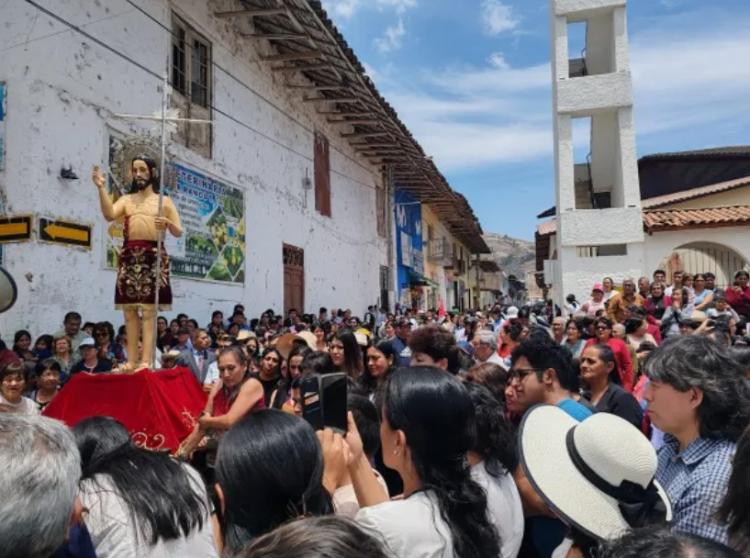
159 409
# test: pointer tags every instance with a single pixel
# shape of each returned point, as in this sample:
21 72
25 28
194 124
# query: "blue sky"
471 79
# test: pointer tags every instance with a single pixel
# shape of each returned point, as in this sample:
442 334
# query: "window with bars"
178 60
199 72
191 83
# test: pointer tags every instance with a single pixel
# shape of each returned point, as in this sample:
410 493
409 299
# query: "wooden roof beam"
343 114
252 12
277 36
334 100
314 67
390 149
360 122
361 146
288 56
364 134
316 87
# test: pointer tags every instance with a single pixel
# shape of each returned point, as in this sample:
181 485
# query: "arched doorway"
704 257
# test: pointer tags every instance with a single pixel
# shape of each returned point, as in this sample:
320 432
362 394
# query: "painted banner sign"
213 219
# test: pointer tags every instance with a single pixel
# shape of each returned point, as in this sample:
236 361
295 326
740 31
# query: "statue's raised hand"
98 177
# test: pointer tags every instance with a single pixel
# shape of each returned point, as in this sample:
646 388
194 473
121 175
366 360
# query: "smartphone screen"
333 391
312 407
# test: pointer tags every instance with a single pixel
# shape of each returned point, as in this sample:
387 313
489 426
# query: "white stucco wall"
600 56
579 274
62 92
595 227
580 96
580 7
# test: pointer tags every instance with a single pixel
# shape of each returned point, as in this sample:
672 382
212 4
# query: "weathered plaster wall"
63 91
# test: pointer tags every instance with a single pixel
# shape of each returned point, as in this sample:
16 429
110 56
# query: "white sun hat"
512 313
596 475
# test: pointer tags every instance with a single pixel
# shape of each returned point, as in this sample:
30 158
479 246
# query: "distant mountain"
515 256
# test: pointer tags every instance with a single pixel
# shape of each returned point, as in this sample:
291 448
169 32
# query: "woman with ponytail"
427 430
269 470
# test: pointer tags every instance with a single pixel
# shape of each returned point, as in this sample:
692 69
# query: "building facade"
286 196
696 216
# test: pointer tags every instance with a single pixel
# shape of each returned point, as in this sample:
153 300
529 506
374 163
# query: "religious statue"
144 225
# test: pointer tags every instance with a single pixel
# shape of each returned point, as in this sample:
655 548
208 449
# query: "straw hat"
698 316
285 343
246 334
309 338
596 475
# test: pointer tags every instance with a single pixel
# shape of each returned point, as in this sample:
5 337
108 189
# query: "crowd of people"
611 428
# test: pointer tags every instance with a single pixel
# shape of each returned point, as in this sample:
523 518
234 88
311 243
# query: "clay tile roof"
548 227
700 192
669 219
657 220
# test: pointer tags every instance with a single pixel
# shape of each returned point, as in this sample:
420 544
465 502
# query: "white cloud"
399 5
342 8
491 80
497 60
457 145
497 17
689 80
392 37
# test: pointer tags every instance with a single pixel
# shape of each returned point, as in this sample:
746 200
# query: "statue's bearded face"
141 175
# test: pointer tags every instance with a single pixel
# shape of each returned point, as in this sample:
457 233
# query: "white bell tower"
599 222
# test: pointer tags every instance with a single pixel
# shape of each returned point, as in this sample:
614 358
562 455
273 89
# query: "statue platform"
159 408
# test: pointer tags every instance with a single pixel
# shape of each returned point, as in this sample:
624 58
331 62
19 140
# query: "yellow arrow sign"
65 232
12 229
15 228
61 232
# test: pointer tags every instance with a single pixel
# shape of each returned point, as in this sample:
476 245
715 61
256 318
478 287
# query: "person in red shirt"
619 348
738 295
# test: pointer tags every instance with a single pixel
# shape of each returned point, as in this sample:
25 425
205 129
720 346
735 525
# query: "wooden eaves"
315 58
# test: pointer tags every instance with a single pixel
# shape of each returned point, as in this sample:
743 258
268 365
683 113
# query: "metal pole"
160 236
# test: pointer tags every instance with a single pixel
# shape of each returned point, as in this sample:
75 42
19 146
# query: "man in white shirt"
485 348
72 330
